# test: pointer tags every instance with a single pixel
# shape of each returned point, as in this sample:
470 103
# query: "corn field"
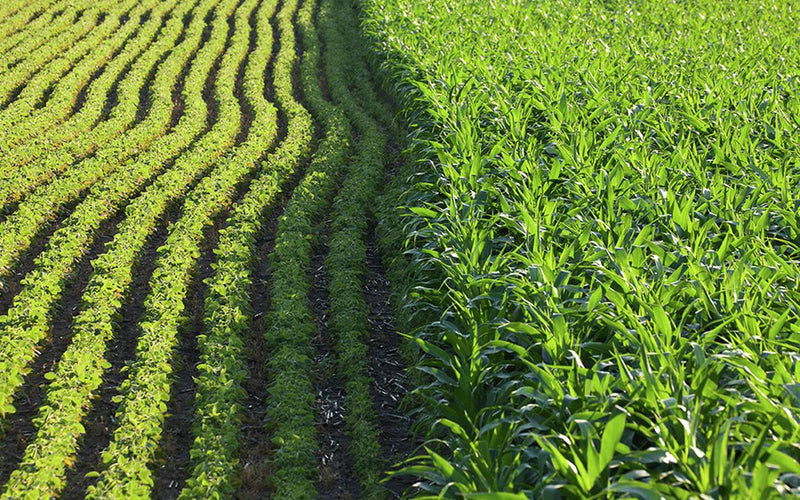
399 249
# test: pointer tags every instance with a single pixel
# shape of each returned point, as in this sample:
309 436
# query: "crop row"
27 116
26 323
39 32
17 14
41 206
228 306
112 136
30 163
113 269
143 396
603 246
63 78
347 246
45 59
81 131
291 412
13 35
80 370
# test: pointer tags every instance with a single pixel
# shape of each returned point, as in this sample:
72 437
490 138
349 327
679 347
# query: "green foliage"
228 307
291 413
17 15
29 158
66 75
137 157
80 369
42 63
143 396
602 221
109 191
347 245
28 320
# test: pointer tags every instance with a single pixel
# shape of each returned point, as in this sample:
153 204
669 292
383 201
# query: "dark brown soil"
11 285
256 444
172 468
177 438
336 479
387 370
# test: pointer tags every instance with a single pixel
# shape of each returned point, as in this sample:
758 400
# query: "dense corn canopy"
605 213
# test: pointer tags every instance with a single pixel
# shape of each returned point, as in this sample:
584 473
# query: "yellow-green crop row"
81 367
38 32
143 396
26 322
117 182
12 35
27 116
58 78
45 59
110 141
13 14
28 164
117 115
9 9
228 306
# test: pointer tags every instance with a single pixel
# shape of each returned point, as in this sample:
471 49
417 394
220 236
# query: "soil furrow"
122 347
12 284
336 479
255 449
170 471
387 369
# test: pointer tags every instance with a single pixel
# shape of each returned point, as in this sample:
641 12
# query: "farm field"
192 300
603 258
227 227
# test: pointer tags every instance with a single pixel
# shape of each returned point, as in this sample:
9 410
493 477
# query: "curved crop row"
228 309
46 56
27 165
290 412
38 33
28 116
23 15
113 136
347 251
26 323
10 8
80 369
11 11
362 80
117 183
144 394
9 38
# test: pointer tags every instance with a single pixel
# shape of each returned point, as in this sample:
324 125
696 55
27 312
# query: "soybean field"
399 248
192 301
